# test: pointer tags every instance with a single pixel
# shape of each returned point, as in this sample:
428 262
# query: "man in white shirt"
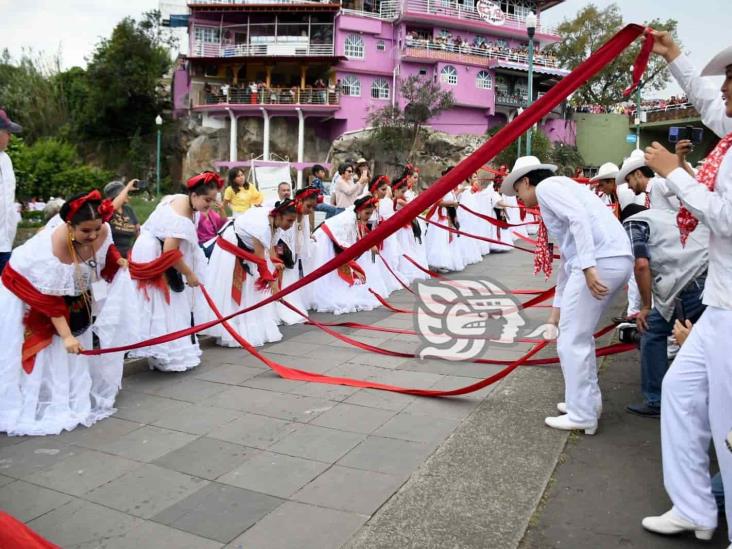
284 190
642 181
9 216
696 403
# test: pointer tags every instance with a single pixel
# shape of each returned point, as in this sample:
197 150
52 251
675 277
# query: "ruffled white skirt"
297 299
443 250
413 249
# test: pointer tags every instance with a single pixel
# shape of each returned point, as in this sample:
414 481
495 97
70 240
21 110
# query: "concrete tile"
5 440
218 511
82 472
206 458
410 380
152 381
332 356
357 371
33 455
275 474
318 443
385 400
417 428
83 524
252 430
144 408
380 361
5 480
102 432
357 419
146 491
326 390
346 489
456 408
197 419
450 368
289 348
270 403
229 374
192 390
283 529
387 455
270 381
147 443
27 501
153 535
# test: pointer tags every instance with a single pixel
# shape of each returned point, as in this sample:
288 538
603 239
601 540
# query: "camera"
679 133
628 333
141 185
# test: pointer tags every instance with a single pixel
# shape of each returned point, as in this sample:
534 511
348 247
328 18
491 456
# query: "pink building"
327 64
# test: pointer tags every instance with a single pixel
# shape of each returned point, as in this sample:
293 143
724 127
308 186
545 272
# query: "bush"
79 179
541 147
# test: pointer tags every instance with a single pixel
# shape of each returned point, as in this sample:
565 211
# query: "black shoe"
644 410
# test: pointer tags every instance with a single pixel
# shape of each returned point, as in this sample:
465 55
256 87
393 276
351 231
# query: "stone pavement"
230 455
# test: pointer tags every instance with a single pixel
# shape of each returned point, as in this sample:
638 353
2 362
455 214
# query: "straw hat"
607 171
523 165
719 63
636 160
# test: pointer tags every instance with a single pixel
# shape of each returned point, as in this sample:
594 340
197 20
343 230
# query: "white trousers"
634 297
696 407
580 313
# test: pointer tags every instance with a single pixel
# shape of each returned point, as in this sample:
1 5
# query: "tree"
541 147
398 129
584 34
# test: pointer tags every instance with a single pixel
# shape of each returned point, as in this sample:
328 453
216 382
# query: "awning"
537 68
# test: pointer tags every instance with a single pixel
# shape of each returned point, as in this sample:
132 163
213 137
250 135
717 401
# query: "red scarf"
265 276
543 256
707 176
152 273
345 271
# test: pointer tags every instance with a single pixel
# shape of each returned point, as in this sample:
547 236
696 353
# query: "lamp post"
638 115
159 124
530 29
518 144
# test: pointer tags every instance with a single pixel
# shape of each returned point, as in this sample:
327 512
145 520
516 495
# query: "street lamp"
159 124
530 29
638 115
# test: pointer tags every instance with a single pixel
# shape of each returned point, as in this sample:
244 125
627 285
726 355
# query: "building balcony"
498 22
282 98
264 48
485 56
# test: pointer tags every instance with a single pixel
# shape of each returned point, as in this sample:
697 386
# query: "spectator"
317 182
209 224
9 216
240 195
670 279
124 223
641 179
346 188
284 191
53 207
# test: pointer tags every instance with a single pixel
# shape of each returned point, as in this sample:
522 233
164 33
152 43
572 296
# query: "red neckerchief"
707 176
543 255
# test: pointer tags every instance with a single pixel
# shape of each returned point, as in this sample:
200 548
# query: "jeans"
654 359
4 257
329 209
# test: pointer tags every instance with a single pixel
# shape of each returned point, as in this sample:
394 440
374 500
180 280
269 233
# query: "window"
351 85
354 46
208 34
423 72
449 75
380 89
380 45
484 81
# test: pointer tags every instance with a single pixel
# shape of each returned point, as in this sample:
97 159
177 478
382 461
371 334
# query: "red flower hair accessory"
365 202
205 177
377 182
106 210
75 205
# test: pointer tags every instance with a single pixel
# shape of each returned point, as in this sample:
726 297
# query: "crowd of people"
629 107
319 92
654 221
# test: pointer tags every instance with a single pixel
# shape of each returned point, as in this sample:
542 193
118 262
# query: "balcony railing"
270 48
451 8
203 2
270 96
450 52
388 10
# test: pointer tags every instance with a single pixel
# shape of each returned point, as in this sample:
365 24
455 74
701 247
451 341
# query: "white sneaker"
562 407
565 424
669 523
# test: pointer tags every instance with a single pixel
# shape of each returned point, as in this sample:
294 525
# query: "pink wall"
561 130
181 86
461 120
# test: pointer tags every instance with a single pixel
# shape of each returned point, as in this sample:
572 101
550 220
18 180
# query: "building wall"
559 130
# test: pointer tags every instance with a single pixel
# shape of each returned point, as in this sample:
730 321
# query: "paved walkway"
230 455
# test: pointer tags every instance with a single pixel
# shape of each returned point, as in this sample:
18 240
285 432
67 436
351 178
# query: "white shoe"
562 407
565 424
669 524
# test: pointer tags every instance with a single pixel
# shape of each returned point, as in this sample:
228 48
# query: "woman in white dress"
497 211
295 248
47 302
167 303
409 236
443 251
244 270
470 247
343 290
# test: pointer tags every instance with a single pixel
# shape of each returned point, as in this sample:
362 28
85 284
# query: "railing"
203 2
388 10
270 96
289 49
451 8
447 52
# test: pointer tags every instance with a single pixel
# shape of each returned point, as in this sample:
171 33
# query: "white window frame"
484 80
449 75
354 47
380 89
208 35
381 45
351 86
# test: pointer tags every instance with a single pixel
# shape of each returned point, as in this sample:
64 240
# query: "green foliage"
143 207
52 167
139 157
541 147
567 158
590 29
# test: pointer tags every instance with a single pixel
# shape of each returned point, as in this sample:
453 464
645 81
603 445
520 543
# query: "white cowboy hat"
607 171
636 160
523 165
719 63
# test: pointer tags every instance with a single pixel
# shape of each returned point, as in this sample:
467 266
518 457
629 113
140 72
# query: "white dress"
260 325
330 292
391 251
484 202
470 247
156 316
443 251
414 249
301 245
504 235
63 390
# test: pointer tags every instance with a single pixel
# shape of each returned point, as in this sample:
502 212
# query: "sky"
73 27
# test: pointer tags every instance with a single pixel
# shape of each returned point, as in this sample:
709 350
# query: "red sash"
265 277
39 330
152 273
346 270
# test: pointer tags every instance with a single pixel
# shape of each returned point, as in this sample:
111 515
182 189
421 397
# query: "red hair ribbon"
308 192
371 201
205 177
280 209
378 182
105 209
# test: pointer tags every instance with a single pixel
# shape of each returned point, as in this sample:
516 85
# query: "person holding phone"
124 223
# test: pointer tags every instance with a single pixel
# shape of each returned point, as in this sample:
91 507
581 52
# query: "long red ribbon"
496 222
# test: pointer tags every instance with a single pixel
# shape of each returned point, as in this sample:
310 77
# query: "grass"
143 208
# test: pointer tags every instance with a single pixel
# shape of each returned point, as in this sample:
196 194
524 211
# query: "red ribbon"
641 62
152 273
496 222
265 276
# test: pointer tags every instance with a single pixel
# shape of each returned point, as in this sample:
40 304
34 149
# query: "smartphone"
679 133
